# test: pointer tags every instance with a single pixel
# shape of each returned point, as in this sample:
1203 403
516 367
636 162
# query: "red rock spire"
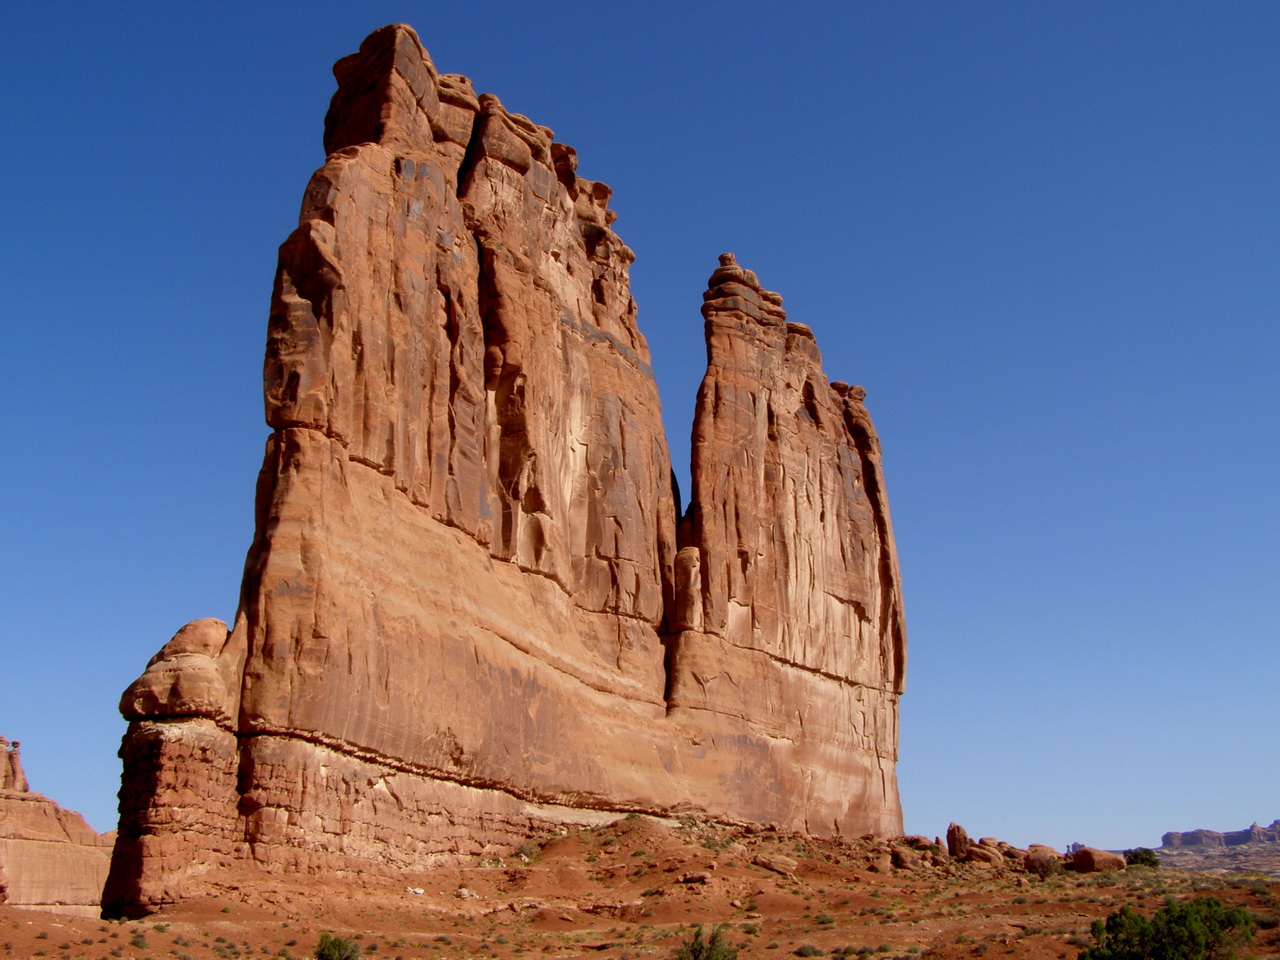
12 776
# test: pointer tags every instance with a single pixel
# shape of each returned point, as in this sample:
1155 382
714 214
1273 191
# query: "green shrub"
1044 867
1197 930
808 950
714 947
336 948
1142 857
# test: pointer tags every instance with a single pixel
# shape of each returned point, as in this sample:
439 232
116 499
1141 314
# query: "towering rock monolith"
471 611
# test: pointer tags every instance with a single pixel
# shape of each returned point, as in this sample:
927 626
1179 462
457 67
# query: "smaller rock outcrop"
1093 860
986 853
50 858
1043 861
11 775
991 853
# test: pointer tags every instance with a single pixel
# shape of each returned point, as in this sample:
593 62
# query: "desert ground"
637 888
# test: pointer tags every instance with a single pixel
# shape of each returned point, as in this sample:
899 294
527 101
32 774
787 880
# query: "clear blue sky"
1044 236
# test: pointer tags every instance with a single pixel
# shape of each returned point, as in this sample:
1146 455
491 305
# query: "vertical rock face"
50 859
464 616
800 628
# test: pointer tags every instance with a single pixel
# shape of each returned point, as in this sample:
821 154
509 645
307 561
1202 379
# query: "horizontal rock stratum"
471 611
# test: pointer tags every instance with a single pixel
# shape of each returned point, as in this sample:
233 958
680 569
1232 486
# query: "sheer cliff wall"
470 610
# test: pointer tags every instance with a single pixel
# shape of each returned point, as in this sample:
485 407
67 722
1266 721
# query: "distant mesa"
1232 838
1256 849
472 611
50 858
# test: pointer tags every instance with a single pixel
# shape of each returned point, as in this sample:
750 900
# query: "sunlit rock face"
50 858
471 612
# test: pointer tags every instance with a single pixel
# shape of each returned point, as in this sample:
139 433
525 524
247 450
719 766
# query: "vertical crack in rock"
470 612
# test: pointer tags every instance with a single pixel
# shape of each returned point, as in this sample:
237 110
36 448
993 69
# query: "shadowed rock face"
470 611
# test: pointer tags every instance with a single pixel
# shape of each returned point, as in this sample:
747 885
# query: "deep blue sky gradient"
1042 235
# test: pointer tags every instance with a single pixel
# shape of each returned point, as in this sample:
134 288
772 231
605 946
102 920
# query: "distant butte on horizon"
471 612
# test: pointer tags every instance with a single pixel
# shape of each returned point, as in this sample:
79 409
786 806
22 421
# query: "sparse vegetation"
1142 857
336 948
1200 929
1044 867
715 947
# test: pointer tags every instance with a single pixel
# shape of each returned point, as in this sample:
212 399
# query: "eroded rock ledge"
471 611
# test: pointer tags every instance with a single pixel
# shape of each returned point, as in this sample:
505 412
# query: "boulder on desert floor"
958 841
1093 860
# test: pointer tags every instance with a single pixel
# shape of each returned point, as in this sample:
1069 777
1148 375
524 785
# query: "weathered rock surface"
958 842
471 609
12 776
50 858
1093 860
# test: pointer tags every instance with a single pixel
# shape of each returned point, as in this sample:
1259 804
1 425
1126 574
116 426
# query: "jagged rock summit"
471 612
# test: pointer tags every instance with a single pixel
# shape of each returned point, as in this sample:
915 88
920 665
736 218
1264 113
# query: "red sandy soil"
636 889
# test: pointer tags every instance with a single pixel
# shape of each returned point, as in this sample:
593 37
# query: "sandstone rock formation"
50 858
471 609
1093 860
1232 838
958 842
11 774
